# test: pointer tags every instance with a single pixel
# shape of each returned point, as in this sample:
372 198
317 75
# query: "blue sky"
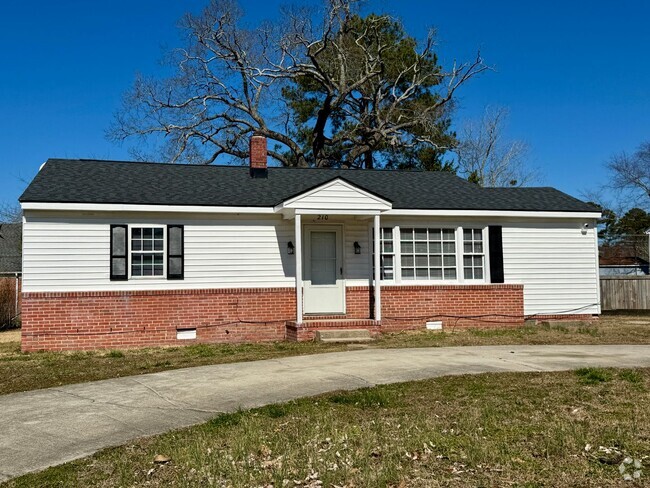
575 74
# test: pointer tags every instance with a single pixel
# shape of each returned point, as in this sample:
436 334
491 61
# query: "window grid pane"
387 255
473 254
428 253
147 251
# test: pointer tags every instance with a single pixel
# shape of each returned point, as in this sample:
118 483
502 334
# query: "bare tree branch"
487 158
631 176
11 213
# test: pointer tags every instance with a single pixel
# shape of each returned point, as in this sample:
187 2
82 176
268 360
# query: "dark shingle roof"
89 181
10 248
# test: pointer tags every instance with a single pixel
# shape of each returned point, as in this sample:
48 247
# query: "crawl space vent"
186 334
434 325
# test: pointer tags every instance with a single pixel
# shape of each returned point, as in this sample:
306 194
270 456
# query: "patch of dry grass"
492 430
20 372
608 329
12 335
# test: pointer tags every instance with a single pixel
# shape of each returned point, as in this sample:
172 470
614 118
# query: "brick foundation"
359 302
120 320
410 307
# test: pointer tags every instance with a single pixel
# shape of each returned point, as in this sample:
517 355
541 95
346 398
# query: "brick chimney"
258 156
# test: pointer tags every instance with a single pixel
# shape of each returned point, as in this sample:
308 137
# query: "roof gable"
337 194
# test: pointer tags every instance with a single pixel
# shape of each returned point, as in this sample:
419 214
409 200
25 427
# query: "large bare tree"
370 89
631 176
488 158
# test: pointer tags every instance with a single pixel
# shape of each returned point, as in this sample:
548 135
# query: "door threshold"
323 314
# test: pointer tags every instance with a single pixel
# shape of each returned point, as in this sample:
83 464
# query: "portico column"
298 254
377 268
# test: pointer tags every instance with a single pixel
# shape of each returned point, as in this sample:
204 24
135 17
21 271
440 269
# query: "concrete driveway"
47 427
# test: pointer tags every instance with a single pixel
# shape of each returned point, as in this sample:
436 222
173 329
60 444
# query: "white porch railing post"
377 268
298 254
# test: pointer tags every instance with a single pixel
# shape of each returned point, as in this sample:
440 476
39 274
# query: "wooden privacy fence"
10 288
625 292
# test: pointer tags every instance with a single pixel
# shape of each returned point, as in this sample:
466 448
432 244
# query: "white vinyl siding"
356 267
71 254
556 263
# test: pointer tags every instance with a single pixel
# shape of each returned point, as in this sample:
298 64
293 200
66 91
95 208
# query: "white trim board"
490 213
119 207
123 207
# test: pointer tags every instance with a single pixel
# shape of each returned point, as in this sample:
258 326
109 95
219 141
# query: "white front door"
324 287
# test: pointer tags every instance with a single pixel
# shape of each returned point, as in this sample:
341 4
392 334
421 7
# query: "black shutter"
496 253
119 251
175 252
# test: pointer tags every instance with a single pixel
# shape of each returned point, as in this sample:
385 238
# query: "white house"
125 254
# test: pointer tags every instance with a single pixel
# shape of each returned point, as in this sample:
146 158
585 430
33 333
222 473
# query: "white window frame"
371 262
483 254
130 252
442 280
460 272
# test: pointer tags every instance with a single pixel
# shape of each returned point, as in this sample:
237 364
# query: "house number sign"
322 218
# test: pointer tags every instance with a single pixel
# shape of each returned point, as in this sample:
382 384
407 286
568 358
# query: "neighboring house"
10 249
627 257
124 254
624 267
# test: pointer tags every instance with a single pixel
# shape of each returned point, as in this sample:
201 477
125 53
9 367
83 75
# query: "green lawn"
20 372
569 429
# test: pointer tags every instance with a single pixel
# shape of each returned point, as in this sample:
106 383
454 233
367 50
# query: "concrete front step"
343 335
308 329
